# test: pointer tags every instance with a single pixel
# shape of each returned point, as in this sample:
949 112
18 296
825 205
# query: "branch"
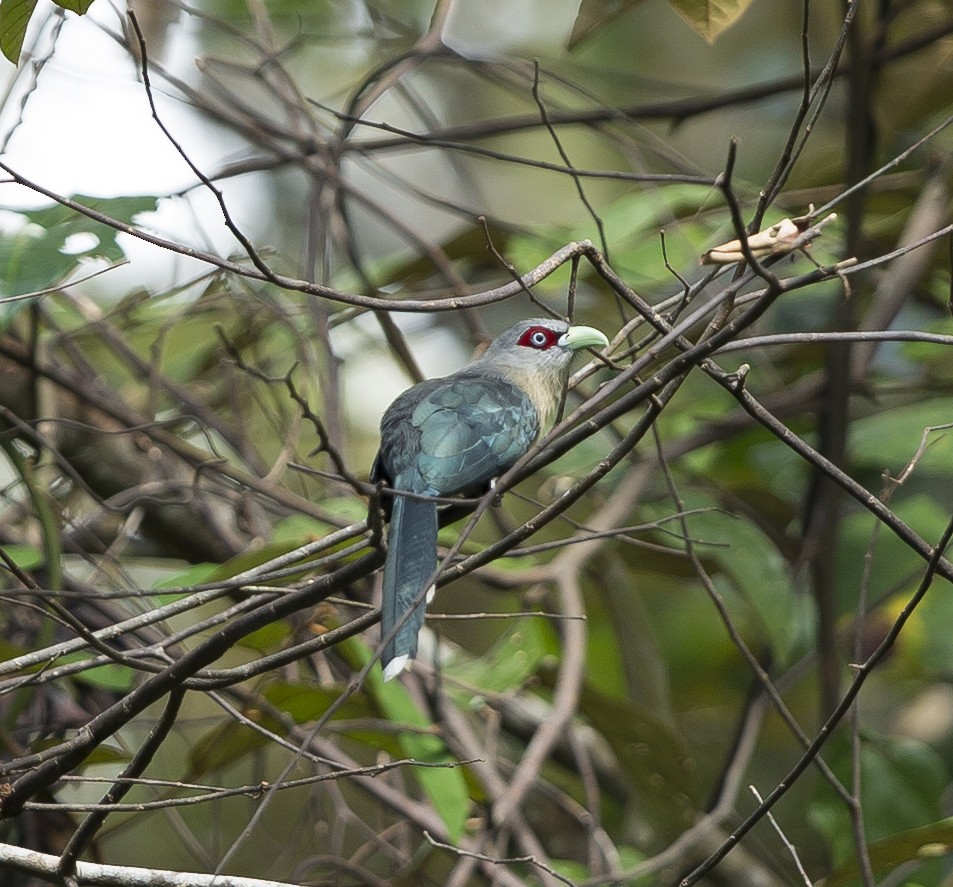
420 306
45 866
49 765
863 671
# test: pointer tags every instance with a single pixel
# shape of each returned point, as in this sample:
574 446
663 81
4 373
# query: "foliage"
15 18
707 17
724 568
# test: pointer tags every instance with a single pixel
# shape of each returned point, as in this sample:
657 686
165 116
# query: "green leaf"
308 702
26 557
54 239
61 222
927 842
297 529
632 223
755 582
924 644
78 6
14 17
116 678
445 786
902 782
267 638
201 574
570 869
508 664
224 745
709 18
43 509
105 754
111 676
9 650
197 574
890 439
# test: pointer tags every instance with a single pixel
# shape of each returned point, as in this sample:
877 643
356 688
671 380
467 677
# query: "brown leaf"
710 17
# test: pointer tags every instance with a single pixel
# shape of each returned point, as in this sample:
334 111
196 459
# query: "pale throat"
544 387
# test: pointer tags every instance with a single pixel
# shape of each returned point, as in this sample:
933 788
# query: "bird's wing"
469 429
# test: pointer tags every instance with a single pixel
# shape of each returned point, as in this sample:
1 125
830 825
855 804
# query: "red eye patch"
538 337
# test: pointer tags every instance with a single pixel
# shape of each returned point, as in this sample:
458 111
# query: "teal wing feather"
440 438
455 434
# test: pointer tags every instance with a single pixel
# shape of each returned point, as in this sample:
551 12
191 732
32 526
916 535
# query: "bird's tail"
411 559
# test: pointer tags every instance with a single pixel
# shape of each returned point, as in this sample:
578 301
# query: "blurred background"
173 418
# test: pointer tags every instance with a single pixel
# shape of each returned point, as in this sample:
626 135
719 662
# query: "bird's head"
542 342
535 355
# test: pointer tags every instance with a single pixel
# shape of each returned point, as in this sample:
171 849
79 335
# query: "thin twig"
863 671
784 840
512 860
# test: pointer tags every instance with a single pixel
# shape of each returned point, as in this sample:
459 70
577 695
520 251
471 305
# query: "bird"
454 436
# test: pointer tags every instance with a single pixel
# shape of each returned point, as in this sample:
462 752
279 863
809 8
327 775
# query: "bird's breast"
543 389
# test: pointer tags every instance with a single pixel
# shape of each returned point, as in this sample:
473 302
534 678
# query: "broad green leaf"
61 222
113 677
297 529
889 440
267 638
53 240
11 651
14 17
197 574
43 509
223 745
349 508
308 702
571 869
928 842
509 662
445 786
924 644
902 780
755 582
26 557
709 18
106 754
632 223
622 638
208 573
629 856
644 212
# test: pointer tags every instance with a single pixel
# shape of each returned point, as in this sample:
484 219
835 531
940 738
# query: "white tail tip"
395 666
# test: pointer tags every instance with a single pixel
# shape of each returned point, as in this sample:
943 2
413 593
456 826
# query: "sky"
76 119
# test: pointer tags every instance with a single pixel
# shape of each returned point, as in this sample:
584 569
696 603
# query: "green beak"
577 337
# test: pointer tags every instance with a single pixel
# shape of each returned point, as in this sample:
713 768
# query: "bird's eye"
538 337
